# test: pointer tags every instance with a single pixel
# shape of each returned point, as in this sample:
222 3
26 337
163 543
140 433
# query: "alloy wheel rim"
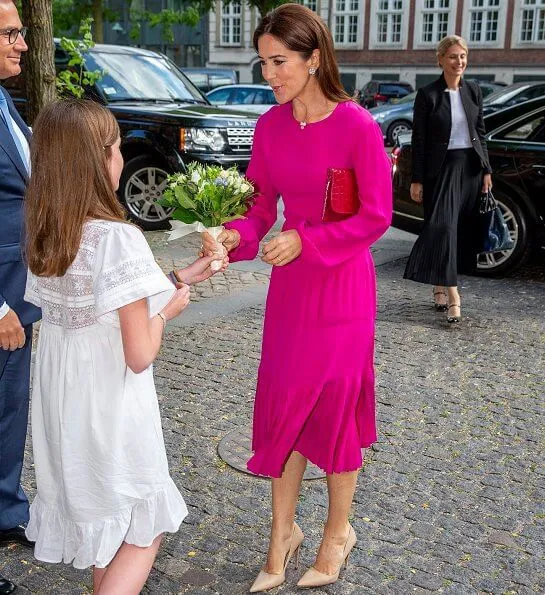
491 260
142 191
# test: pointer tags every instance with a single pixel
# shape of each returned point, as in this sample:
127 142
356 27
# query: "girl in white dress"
105 496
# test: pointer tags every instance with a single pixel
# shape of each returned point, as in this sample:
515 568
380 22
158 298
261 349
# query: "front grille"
240 139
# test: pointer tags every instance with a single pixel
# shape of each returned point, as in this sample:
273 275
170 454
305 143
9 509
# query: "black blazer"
432 122
13 179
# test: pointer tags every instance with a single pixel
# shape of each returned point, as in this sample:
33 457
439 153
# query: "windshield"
141 78
408 98
503 95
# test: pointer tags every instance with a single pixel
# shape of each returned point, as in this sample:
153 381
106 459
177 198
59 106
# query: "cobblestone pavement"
452 496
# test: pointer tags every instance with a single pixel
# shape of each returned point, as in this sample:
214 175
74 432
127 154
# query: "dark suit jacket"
432 122
13 179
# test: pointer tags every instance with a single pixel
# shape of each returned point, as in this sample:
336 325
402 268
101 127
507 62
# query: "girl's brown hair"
70 182
302 30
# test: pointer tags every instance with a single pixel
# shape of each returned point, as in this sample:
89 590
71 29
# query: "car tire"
497 264
140 187
395 129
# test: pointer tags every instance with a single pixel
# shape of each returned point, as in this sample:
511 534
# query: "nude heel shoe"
267 580
315 578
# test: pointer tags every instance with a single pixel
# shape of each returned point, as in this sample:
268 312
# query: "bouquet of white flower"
204 198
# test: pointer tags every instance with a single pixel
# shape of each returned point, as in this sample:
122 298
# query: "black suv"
378 92
165 123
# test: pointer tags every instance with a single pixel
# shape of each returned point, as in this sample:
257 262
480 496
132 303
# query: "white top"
459 130
100 460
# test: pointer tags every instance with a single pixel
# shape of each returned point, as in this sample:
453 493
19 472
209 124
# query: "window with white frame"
484 19
532 22
435 20
231 23
312 4
347 16
389 21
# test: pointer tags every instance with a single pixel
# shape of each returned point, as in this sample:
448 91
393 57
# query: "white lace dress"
99 454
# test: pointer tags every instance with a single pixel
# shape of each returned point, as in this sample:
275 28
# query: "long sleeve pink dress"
315 389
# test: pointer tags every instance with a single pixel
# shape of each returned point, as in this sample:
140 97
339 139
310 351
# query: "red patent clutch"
341 195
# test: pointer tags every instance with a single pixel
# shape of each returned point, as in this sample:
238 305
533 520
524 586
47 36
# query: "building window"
389 21
435 20
532 27
231 23
347 15
484 17
312 4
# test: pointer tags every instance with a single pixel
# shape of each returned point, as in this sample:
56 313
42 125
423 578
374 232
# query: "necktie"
7 119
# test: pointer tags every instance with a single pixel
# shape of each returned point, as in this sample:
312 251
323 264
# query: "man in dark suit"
16 315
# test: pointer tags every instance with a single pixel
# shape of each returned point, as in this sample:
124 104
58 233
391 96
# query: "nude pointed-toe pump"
267 580
315 578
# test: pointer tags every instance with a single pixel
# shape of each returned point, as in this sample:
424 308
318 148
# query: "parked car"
395 118
517 93
165 123
488 87
378 92
254 98
206 79
516 146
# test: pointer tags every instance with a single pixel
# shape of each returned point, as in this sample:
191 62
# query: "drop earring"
312 70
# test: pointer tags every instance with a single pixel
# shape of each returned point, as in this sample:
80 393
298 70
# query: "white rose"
195 177
245 187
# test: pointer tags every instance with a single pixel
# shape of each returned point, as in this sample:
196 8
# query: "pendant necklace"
303 123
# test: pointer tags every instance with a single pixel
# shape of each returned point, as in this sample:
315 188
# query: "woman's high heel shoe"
315 578
454 319
267 580
440 307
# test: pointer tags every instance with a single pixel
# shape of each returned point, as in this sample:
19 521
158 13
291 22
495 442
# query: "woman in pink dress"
315 392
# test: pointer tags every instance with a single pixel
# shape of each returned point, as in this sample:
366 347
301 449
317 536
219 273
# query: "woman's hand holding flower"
285 247
230 238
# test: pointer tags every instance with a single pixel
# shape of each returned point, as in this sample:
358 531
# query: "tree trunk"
39 62
98 21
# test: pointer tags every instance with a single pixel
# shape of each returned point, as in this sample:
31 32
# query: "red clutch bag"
341 195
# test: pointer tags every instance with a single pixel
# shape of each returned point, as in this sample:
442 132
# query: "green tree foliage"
72 81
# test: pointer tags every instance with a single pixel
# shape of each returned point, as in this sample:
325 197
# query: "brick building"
396 39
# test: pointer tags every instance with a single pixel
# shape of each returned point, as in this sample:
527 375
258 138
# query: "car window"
219 97
539 136
390 89
137 76
534 92
502 96
264 97
523 130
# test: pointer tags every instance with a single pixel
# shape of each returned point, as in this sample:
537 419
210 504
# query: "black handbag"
497 238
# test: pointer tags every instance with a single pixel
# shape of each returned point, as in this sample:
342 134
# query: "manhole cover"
236 448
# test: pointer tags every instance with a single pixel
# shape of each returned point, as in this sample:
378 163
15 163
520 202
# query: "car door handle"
538 166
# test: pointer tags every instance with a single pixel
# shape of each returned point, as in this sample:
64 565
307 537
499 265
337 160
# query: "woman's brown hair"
302 30
70 182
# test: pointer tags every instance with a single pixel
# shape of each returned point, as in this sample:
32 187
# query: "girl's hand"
285 247
200 270
487 183
230 238
417 192
178 302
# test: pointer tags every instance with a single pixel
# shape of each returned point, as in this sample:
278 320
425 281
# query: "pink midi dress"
315 388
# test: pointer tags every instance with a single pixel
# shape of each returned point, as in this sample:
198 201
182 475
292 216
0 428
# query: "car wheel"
140 188
395 129
495 264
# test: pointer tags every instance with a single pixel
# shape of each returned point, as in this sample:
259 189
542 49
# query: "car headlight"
202 139
380 117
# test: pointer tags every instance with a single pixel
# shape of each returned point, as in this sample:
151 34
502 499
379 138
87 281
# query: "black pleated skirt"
449 241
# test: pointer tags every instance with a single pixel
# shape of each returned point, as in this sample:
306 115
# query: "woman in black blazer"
450 169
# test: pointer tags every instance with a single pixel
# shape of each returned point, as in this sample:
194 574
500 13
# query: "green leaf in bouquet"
183 198
184 215
233 218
